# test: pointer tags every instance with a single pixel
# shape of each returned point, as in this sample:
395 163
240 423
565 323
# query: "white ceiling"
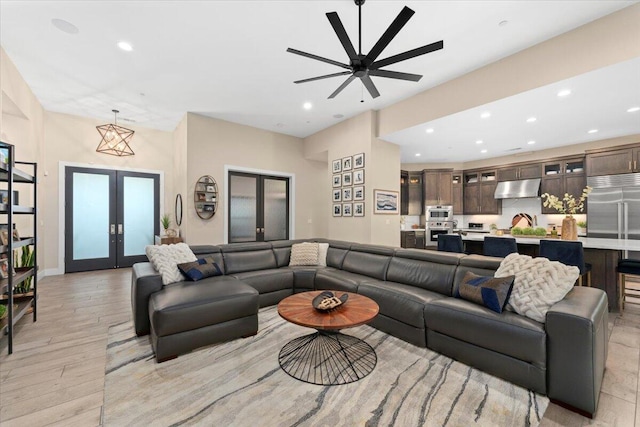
228 59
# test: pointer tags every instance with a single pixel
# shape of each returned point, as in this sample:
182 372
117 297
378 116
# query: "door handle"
113 229
119 228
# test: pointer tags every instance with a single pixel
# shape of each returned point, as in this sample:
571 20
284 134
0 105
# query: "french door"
110 216
258 207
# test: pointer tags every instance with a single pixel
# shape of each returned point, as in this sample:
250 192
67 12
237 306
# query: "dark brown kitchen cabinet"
408 239
404 192
457 193
565 175
438 187
416 204
515 173
613 162
479 190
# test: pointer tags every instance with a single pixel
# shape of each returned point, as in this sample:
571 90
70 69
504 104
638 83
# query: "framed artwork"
358 177
337 195
358 161
347 194
347 177
4 237
346 163
358 193
337 180
336 166
358 209
4 268
386 202
337 209
347 209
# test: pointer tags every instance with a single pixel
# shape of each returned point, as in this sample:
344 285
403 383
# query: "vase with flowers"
568 206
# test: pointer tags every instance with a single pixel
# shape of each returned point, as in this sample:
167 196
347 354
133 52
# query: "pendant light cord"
360 28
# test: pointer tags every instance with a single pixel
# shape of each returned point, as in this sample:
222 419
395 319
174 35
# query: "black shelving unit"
12 176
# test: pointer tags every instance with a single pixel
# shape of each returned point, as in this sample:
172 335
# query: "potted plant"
165 220
568 206
493 229
582 227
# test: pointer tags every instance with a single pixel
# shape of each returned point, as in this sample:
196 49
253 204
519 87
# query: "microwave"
439 213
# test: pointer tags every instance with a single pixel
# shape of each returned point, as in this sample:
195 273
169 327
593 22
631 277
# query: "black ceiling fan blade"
318 58
395 27
342 73
342 86
368 83
336 23
395 75
408 54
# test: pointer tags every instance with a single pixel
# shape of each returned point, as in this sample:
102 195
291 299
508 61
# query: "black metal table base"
327 358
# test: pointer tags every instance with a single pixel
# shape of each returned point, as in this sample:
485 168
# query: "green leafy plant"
165 220
568 205
3 311
582 224
517 231
24 260
528 231
493 227
540 231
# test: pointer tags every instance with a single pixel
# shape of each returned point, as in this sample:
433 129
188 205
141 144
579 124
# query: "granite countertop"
415 229
587 242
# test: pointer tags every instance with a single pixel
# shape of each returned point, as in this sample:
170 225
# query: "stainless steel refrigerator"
614 208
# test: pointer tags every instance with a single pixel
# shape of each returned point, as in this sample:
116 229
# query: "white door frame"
292 192
62 198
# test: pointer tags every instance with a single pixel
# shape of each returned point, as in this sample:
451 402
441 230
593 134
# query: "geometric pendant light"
115 139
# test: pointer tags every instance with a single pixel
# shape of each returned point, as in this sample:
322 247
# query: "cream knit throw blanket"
539 283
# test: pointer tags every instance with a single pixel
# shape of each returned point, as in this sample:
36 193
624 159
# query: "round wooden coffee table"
327 357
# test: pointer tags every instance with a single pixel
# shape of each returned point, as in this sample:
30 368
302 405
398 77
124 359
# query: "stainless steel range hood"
518 189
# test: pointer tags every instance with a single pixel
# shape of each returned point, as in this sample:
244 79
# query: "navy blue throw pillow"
491 292
200 269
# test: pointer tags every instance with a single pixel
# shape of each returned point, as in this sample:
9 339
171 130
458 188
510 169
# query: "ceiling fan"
365 66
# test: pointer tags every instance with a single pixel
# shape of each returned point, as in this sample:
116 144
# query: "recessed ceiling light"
531 142
430 130
307 106
531 119
483 151
65 26
479 141
485 115
633 109
503 23
593 131
417 154
126 46
564 92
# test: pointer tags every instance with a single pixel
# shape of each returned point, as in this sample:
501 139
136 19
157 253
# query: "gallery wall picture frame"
358 161
358 193
347 194
347 209
337 209
347 178
337 180
347 163
358 209
385 202
336 166
337 195
358 177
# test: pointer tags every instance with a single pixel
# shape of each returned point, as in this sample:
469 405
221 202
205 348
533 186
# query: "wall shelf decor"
205 197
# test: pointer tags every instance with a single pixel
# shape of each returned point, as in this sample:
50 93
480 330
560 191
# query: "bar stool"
499 246
568 253
626 267
450 243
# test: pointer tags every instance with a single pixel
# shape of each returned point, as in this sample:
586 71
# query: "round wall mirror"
178 210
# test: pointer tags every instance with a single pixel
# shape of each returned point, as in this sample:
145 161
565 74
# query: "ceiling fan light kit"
365 66
115 139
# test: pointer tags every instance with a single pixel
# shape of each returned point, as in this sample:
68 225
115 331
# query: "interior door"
110 217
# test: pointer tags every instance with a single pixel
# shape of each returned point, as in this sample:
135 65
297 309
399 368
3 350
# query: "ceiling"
228 59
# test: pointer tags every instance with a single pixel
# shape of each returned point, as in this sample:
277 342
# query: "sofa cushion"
478 264
507 333
265 281
323 248
200 269
239 257
488 291
429 270
369 260
336 252
399 301
331 279
165 259
304 254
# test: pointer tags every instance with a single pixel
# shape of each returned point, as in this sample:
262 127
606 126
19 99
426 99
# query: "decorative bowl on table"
327 301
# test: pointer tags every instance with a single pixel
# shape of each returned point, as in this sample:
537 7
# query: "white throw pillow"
538 285
165 259
304 254
323 248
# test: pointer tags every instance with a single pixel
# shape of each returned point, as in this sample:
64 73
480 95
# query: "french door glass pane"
90 216
139 219
275 209
242 209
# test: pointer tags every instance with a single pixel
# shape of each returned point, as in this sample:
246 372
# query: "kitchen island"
602 254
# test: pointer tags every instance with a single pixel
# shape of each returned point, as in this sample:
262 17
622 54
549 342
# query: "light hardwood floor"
56 374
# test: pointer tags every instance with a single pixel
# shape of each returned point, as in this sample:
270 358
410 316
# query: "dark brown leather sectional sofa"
563 358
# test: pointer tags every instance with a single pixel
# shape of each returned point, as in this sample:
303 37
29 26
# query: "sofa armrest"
577 335
145 280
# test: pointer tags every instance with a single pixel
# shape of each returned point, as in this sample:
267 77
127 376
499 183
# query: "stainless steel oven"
438 227
439 213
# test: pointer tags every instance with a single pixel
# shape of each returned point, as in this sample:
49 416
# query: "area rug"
240 383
